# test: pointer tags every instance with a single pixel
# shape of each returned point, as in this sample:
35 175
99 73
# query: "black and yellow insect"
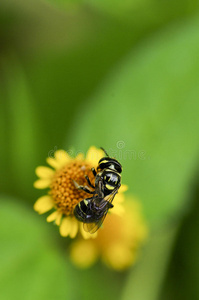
92 211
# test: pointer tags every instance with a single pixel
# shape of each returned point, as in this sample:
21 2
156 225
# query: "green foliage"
122 75
149 104
183 270
31 265
21 130
155 258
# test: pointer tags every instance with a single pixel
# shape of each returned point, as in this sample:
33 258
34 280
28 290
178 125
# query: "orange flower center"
66 196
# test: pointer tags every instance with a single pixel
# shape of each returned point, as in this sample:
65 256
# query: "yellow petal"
94 155
58 218
119 198
123 188
44 204
53 163
42 183
83 253
53 216
65 226
74 228
118 257
94 235
44 172
62 157
80 156
60 160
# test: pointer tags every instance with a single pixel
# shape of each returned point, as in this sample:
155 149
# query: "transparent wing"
93 227
110 197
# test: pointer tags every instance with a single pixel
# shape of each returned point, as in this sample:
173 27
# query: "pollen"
62 189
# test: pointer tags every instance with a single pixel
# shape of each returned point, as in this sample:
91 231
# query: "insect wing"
110 197
93 227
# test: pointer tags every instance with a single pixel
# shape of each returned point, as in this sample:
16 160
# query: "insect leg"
94 172
88 180
100 190
84 188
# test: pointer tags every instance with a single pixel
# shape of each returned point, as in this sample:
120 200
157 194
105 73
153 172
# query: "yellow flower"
63 196
117 244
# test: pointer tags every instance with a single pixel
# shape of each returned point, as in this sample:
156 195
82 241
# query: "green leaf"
146 114
4 141
183 269
132 12
22 127
145 281
31 265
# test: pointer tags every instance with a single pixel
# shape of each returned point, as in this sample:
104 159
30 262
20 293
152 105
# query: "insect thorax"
111 180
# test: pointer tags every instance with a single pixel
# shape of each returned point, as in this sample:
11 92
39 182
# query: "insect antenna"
104 151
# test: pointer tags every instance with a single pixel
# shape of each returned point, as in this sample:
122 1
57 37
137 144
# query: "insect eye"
118 168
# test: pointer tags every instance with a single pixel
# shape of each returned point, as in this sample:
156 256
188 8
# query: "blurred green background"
119 74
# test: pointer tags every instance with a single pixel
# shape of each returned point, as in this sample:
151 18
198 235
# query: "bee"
92 211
